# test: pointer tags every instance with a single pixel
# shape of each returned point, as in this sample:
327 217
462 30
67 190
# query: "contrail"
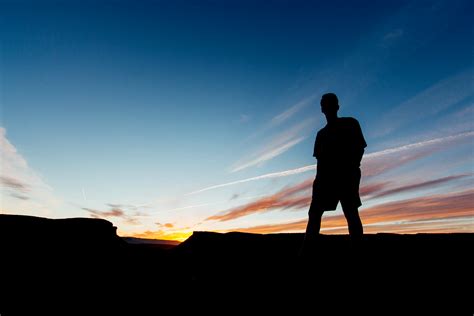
84 194
264 176
419 144
376 154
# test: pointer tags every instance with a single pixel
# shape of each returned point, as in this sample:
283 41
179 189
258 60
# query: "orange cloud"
167 225
283 199
295 226
448 205
449 212
455 225
299 196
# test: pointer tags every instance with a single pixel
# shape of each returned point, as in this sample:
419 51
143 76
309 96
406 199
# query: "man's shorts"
330 188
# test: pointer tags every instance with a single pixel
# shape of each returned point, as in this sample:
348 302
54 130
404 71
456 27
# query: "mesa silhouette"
69 255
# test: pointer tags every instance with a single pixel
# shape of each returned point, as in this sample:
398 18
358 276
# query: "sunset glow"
172 117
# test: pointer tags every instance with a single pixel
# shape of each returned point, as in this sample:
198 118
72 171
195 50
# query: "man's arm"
317 147
359 141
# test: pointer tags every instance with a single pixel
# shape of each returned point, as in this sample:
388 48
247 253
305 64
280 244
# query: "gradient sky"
166 117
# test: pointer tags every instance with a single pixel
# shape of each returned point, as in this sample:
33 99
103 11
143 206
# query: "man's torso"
338 146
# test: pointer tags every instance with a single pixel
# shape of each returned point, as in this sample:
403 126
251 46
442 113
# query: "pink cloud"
299 196
450 212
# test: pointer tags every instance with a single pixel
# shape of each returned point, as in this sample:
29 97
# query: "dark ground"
71 265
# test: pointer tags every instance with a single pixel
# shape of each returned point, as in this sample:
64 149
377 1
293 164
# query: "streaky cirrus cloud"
373 188
298 196
373 163
115 212
293 226
268 153
292 110
437 206
420 185
22 189
14 184
428 102
449 225
285 115
281 143
379 162
284 198
434 213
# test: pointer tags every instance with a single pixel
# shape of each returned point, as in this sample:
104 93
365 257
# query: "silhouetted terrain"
82 261
151 243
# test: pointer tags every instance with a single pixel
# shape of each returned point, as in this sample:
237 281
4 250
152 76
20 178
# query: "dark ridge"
31 231
147 241
82 262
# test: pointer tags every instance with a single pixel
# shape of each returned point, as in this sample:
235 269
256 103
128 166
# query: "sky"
168 117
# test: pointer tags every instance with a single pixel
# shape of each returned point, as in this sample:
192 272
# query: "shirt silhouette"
339 147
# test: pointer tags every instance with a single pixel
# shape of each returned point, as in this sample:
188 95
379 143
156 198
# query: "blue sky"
127 110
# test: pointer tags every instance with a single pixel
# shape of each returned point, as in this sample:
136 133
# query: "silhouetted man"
339 147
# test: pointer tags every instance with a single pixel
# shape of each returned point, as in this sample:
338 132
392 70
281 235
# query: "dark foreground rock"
83 264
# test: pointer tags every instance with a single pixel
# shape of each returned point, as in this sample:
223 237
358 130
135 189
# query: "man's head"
329 104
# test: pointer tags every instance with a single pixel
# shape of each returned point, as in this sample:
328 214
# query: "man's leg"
354 223
312 230
314 222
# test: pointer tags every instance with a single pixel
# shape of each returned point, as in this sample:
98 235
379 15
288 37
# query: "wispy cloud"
286 115
277 146
445 225
193 206
420 185
130 207
114 212
428 102
111 213
286 198
373 163
268 154
283 141
244 118
166 225
434 213
19 196
392 35
30 193
292 110
14 184
293 226
448 205
299 196
379 162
